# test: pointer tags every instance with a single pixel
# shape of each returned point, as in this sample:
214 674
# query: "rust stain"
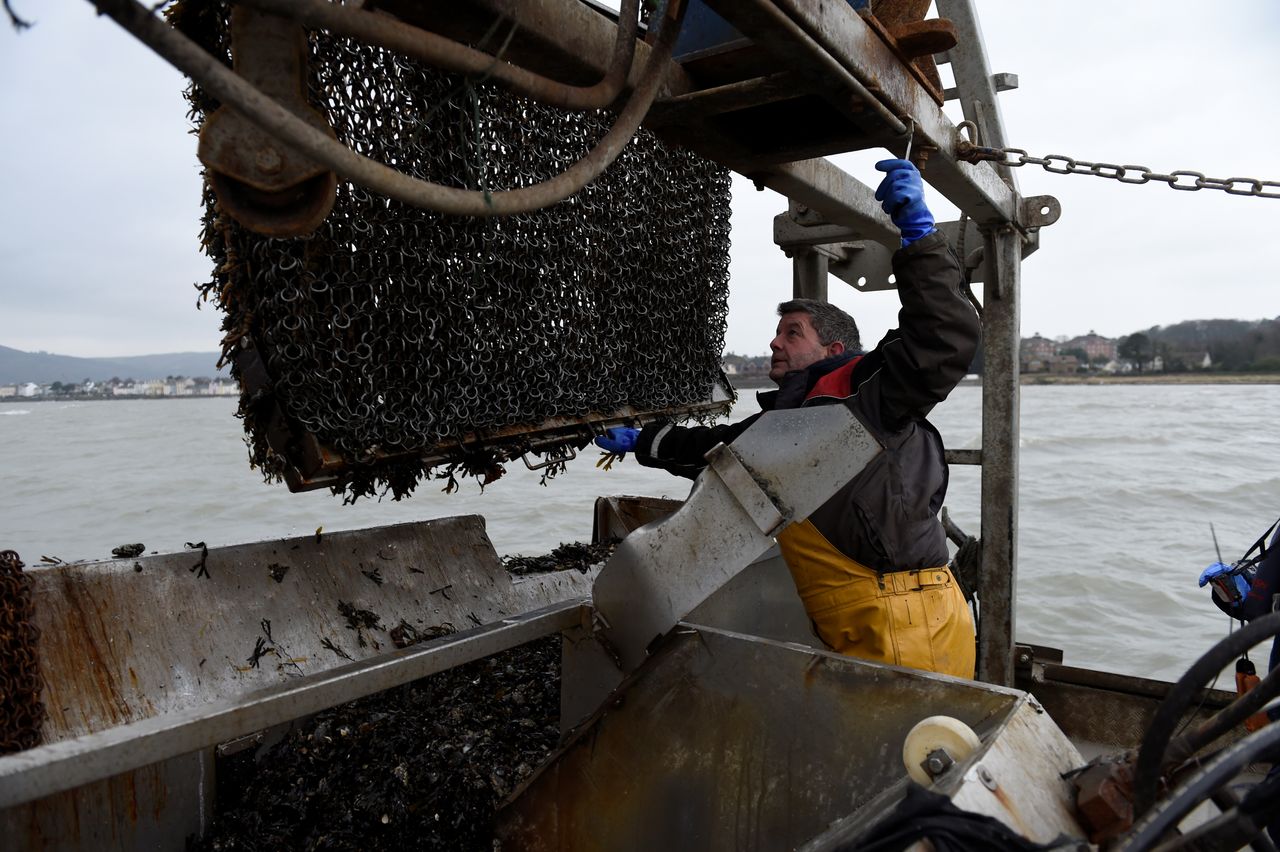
811 669
160 795
81 673
1003 798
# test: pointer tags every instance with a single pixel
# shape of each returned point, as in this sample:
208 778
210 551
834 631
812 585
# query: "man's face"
797 346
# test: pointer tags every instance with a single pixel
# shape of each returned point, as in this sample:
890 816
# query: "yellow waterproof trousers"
917 619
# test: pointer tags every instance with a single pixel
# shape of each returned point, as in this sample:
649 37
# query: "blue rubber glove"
621 439
901 194
1215 574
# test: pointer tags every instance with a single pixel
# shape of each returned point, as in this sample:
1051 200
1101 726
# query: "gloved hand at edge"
620 439
901 194
1223 579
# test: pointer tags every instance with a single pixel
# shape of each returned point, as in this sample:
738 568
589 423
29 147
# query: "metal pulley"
260 181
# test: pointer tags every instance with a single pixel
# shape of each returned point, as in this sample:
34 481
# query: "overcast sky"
100 195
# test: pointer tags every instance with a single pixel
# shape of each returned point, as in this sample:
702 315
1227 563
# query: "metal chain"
21 713
392 330
1059 164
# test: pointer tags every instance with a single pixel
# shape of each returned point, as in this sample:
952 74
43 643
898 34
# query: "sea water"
1118 487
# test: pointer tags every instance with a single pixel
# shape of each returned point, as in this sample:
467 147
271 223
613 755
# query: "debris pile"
576 555
423 766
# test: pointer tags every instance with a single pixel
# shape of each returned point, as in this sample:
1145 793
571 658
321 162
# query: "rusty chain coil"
391 330
21 712
1059 164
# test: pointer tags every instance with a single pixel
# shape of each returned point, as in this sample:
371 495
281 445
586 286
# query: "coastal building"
8 391
179 387
1097 347
1064 364
1034 353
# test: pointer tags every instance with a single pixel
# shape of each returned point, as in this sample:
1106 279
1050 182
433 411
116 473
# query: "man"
870 563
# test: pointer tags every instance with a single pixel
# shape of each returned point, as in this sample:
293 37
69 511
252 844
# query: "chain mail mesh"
393 329
21 713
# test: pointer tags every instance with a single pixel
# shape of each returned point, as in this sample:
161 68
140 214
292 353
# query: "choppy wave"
1118 488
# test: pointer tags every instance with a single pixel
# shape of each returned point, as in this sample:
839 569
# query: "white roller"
931 734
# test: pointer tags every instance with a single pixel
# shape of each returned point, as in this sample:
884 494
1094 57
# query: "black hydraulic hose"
388 32
232 90
1227 800
1230 831
1224 720
1148 831
1151 755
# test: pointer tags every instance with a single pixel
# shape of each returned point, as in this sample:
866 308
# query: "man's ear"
836 348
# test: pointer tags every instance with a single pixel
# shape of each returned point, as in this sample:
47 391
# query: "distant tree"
1136 348
1081 355
55 388
1268 364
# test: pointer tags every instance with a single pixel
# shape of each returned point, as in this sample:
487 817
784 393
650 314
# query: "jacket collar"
795 385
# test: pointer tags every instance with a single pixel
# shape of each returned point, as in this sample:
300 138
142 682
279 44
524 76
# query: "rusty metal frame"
64 765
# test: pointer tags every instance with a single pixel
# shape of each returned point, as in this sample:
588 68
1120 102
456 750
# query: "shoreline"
120 398
1095 379
1154 379
765 384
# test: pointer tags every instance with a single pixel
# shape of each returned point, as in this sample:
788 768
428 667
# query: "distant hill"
42 367
1230 344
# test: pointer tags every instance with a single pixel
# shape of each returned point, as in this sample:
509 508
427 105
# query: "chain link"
21 713
392 330
1059 164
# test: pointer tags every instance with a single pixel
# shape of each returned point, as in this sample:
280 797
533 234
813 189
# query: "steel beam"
830 195
64 765
1004 82
975 84
851 42
809 274
564 39
997 589
767 24
730 97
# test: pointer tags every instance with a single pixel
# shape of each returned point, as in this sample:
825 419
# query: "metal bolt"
269 161
988 780
937 762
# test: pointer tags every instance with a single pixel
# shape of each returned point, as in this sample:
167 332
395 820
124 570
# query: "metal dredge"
21 713
391 333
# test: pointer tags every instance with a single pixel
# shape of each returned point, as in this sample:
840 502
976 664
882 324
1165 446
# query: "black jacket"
886 517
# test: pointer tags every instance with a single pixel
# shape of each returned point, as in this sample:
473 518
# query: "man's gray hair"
828 321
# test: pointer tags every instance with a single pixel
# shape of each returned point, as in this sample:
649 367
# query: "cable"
1151 755
1224 720
1148 831
225 85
